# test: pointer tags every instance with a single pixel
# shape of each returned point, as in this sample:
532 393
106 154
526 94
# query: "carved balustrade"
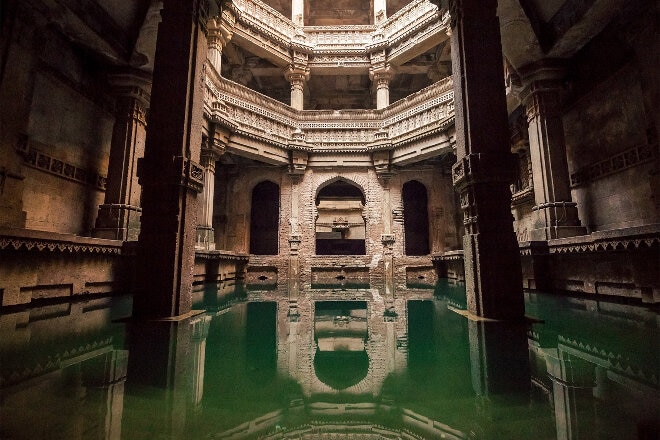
244 111
276 37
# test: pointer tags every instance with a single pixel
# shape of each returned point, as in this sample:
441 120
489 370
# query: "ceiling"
123 33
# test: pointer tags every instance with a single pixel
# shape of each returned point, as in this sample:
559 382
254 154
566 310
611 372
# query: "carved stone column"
541 95
485 165
380 11
169 174
220 31
119 215
298 12
381 76
211 152
297 165
297 77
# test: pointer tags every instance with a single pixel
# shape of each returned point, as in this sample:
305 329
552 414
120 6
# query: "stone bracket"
482 168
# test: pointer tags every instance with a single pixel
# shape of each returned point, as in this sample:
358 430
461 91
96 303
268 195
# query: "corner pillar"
169 174
541 95
119 215
485 165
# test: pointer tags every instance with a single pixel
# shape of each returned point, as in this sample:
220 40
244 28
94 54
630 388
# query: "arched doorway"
264 218
340 227
415 218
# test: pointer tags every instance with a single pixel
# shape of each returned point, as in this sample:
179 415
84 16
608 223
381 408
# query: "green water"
335 364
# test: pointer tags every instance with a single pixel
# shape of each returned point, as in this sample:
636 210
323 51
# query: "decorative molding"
35 158
19 240
614 164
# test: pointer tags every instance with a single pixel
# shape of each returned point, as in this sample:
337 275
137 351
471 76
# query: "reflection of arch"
415 218
340 227
264 218
340 333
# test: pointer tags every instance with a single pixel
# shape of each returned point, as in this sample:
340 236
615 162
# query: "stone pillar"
220 31
119 215
298 12
205 236
381 77
169 174
541 95
297 165
297 77
485 165
380 11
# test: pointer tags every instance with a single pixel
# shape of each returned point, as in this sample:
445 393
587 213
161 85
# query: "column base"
205 238
118 222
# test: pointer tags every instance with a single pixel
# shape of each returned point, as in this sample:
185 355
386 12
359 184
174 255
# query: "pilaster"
212 150
119 215
485 165
170 174
557 215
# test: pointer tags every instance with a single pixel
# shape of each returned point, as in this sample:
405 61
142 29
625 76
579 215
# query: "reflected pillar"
557 215
573 383
485 165
166 362
169 174
119 215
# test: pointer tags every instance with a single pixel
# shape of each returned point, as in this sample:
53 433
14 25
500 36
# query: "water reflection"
333 364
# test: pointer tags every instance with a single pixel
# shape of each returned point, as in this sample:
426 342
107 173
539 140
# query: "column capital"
221 28
542 87
296 75
134 84
381 74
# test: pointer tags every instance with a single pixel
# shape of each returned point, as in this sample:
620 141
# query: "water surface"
335 364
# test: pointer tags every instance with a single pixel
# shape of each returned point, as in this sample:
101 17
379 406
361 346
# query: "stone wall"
56 134
234 186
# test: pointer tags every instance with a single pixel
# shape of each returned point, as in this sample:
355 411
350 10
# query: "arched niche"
264 218
340 227
415 218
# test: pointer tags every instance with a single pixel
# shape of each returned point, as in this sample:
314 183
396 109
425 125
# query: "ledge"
448 256
33 240
220 255
638 237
